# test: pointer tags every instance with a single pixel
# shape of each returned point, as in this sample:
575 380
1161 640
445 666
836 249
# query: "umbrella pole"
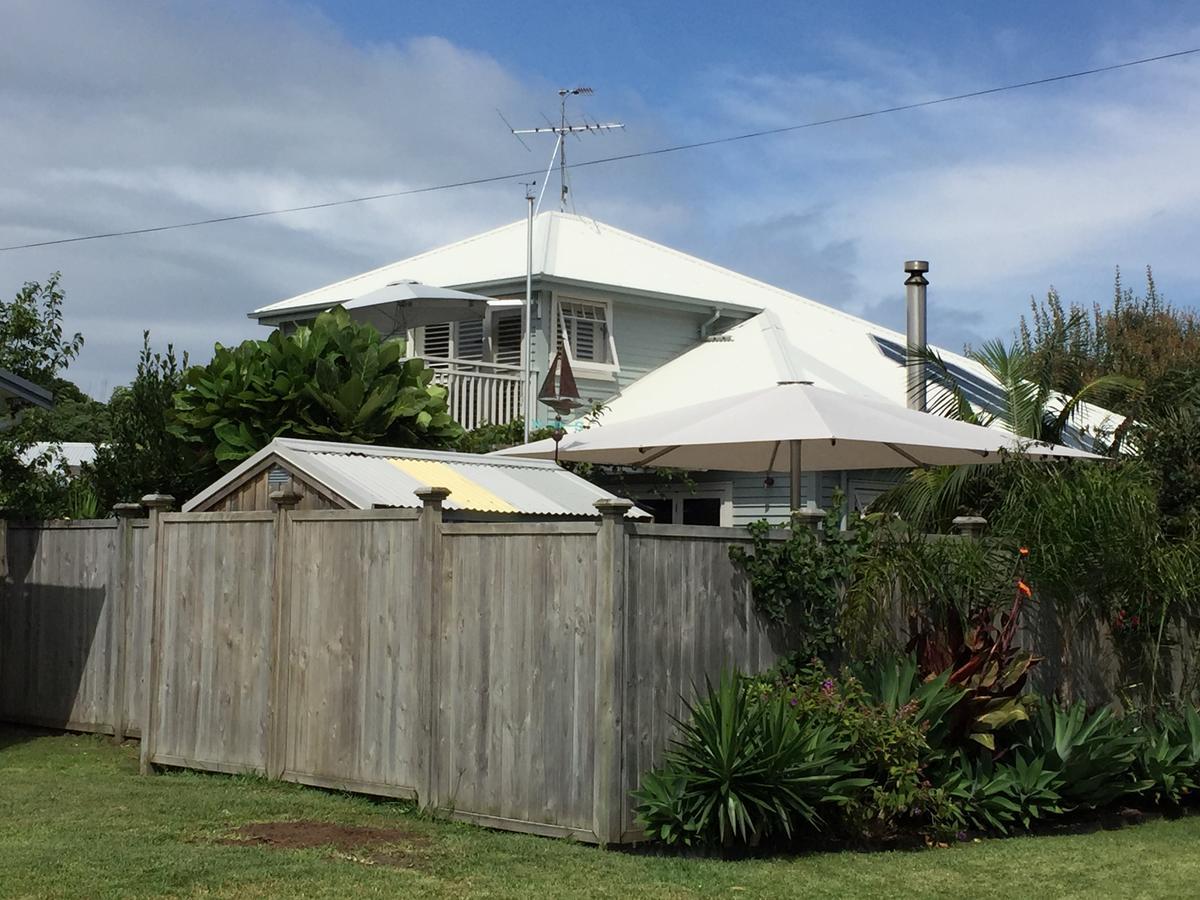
796 485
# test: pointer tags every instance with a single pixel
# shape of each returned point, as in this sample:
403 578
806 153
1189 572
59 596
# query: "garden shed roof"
358 476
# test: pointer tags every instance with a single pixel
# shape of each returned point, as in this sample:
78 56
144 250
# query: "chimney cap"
914 266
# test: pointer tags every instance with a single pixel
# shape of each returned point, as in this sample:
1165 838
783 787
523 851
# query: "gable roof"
366 477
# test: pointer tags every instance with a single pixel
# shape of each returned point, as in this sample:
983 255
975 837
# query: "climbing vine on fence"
799 579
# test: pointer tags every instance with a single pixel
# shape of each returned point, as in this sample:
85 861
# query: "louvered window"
468 339
506 338
453 340
583 328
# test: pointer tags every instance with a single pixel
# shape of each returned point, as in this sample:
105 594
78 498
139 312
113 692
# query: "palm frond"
953 402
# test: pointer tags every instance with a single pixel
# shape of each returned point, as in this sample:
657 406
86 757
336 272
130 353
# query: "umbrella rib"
774 456
663 452
912 459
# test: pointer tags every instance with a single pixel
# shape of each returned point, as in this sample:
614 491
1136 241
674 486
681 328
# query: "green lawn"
77 821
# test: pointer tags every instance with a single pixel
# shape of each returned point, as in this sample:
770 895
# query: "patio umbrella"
402 305
791 427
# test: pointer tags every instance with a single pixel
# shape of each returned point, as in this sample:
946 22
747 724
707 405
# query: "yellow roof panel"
466 493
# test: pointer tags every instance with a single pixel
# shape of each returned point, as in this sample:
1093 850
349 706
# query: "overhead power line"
659 151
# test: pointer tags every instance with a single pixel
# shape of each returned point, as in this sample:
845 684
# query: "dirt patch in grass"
397 847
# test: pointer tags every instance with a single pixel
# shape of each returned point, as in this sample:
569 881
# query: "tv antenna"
561 130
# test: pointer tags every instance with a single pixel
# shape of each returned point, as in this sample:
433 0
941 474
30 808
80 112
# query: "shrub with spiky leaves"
743 769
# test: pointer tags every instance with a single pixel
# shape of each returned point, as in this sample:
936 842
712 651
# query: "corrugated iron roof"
366 477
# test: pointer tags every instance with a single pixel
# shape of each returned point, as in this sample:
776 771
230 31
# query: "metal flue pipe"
914 289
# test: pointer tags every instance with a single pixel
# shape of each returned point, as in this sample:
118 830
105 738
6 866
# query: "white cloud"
122 115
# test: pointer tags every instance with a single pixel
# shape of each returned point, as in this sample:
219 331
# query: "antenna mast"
562 129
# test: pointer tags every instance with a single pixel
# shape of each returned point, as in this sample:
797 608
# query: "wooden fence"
74 624
519 675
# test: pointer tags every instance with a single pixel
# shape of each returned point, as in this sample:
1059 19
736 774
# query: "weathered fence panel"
353 654
689 614
516 728
213 621
56 628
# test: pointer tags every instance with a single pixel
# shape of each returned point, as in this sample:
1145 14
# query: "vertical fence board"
212 686
356 655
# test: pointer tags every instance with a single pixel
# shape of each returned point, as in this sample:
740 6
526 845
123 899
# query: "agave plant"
1168 758
1094 753
742 769
996 796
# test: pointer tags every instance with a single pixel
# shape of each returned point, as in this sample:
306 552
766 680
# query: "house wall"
754 500
648 333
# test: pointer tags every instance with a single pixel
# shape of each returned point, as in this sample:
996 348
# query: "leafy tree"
142 454
335 380
32 346
31 335
74 417
1142 336
1137 336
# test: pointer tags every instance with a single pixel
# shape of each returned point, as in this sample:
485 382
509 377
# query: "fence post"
429 588
969 526
157 504
810 517
277 655
125 513
608 800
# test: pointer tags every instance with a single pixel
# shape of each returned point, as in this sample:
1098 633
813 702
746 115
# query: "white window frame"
722 491
584 367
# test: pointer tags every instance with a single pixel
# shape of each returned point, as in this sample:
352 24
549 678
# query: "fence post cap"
158 501
971 526
284 497
127 510
433 495
810 517
613 506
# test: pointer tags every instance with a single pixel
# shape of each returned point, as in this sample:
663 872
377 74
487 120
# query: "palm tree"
1024 401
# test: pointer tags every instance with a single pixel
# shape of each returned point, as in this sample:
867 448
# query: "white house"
646 328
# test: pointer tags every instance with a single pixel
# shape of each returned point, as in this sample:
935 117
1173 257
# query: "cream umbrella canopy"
791 427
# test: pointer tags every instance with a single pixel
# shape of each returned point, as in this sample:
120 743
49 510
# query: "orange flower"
1024 589
1024 551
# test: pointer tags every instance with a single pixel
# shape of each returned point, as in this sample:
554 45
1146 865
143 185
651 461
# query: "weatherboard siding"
646 338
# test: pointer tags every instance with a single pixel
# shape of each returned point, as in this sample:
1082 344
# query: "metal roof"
13 385
366 477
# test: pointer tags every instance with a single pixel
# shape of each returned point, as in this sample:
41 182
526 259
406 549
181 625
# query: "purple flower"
827 685
794 701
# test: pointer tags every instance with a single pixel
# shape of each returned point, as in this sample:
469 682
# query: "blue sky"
123 114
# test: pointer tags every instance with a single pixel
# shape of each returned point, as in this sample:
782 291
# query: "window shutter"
468 340
507 346
585 326
436 340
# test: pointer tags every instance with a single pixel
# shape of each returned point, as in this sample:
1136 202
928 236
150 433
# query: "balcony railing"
480 393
